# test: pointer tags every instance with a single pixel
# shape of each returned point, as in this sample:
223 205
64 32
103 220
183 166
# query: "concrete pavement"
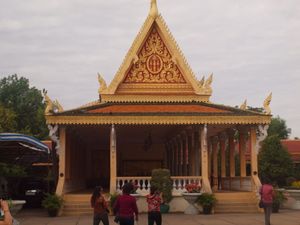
285 217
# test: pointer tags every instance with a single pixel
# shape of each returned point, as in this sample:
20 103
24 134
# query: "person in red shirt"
125 207
154 201
267 194
100 206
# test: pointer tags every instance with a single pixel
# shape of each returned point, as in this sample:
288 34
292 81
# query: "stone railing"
143 183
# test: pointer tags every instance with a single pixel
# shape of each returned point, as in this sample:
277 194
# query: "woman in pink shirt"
154 201
267 194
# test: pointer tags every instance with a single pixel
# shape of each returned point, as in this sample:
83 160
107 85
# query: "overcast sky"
251 46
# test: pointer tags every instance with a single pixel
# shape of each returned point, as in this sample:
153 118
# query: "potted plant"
278 200
112 200
161 179
193 191
52 203
207 201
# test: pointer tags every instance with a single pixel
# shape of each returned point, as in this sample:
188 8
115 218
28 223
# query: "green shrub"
161 179
52 202
113 198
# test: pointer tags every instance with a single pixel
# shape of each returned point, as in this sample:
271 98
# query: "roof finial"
153 9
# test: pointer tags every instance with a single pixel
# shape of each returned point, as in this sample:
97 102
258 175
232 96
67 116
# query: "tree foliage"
275 162
22 107
7 120
278 127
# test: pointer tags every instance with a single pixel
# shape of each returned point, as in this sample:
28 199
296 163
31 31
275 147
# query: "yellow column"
254 169
184 153
173 158
204 159
215 162
242 151
231 152
209 159
180 146
192 153
62 161
222 138
113 160
187 154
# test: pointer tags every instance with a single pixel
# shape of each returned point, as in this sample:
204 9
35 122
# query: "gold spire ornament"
201 82
102 83
57 106
244 105
153 9
267 104
49 104
208 82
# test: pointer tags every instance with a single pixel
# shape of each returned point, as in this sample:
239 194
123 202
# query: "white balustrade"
143 183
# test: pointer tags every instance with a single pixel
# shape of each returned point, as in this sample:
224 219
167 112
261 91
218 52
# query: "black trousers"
126 221
154 217
101 217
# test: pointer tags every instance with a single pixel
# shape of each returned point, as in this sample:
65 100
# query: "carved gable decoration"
154 64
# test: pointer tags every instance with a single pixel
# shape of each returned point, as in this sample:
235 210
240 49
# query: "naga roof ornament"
102 84
244 105
52 106
266 104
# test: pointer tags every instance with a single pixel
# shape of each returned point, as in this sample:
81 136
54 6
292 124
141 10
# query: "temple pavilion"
156 114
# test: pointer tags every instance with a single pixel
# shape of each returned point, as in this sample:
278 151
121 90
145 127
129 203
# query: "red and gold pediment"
155 69
154 64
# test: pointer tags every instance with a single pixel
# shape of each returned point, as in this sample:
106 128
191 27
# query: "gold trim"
158 120
154 98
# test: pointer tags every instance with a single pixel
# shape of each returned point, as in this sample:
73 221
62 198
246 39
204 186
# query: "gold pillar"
254 169
231 152
222 139
209 159
180 146
62 161
197 152
113 159
215 162
242 151
173 158
192 153
187 155
204 159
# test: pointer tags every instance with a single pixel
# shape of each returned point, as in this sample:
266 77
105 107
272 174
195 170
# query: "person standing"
267 194
100 206
154 201
125 207
7 220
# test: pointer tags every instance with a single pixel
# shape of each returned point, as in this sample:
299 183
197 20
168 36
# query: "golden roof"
155 69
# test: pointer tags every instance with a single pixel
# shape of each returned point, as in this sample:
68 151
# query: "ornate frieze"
154 63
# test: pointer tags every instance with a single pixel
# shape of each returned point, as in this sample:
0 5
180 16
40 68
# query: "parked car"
33 191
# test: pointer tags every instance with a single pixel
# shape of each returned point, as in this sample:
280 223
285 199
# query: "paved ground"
285 217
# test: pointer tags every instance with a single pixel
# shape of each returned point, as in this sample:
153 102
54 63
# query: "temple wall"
135 160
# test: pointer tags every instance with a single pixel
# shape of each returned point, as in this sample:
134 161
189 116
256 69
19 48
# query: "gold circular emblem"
154 64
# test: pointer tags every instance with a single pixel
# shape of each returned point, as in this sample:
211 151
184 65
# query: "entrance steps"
227 202
236 202
77 204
